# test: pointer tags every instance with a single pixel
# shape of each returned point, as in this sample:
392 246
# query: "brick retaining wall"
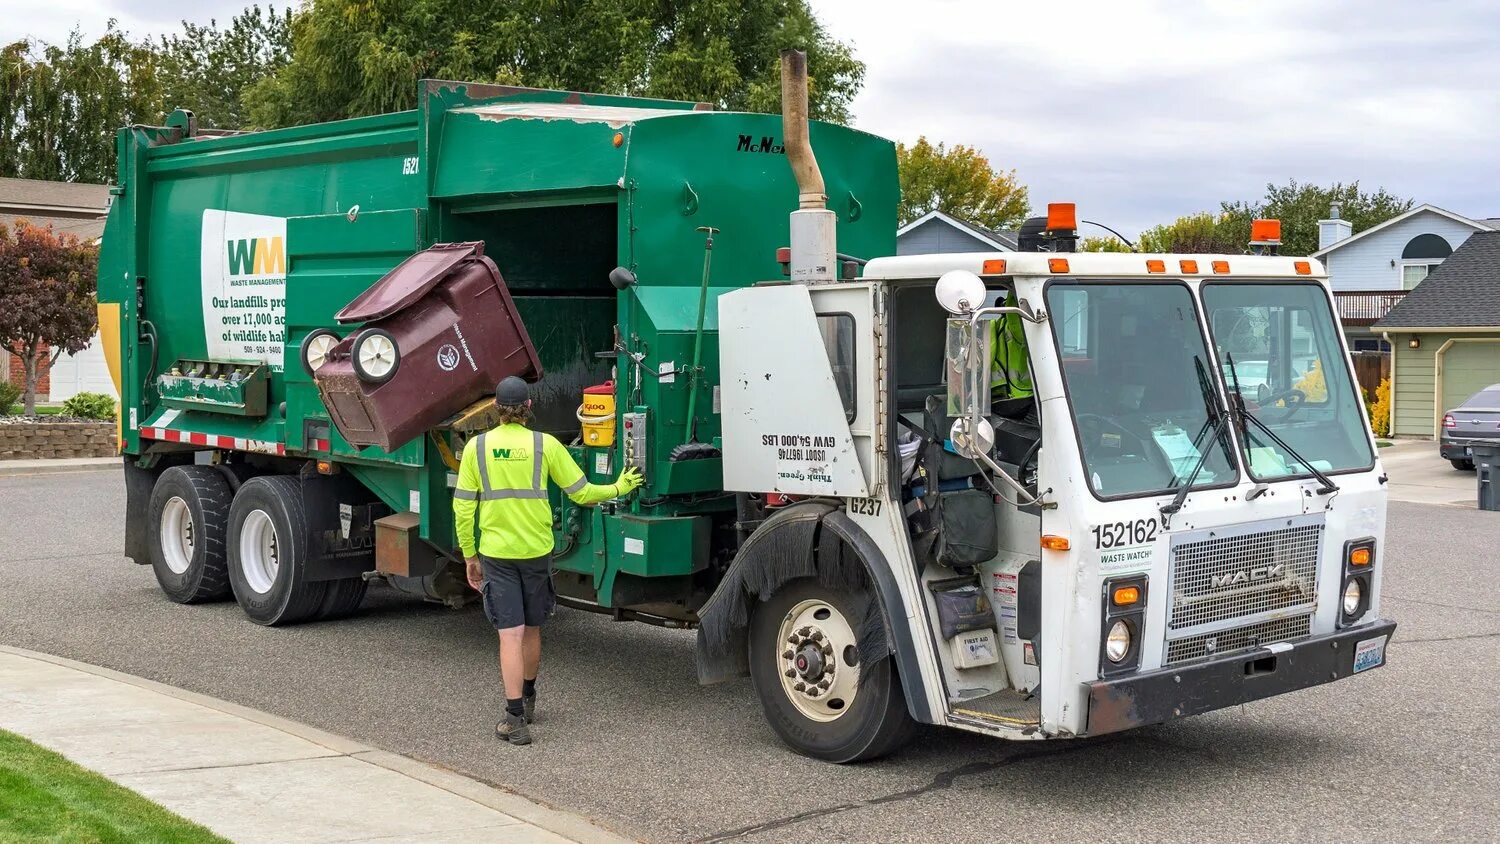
32 440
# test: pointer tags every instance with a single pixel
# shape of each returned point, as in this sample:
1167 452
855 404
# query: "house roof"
1002 239
67 197
1464 291
1479 225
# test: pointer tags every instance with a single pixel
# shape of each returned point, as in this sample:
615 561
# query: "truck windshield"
1278 346
1140 386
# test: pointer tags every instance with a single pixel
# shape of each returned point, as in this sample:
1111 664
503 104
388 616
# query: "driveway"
1420 476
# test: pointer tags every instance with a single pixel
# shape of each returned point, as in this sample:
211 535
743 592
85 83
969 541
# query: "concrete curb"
564 824
45 466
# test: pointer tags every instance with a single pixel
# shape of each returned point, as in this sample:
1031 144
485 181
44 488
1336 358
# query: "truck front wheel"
805 667
189 515
268 537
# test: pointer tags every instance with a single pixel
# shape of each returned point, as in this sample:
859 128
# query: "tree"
47 305
60 105
1226 233
208 69
355 57
1108 243
959 181
1299 207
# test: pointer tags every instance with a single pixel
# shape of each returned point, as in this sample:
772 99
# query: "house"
78 209
1373 270
936 233
1445 336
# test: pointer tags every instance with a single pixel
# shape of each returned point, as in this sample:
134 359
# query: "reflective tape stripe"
484 463
576 485
497 494
536 459
466 494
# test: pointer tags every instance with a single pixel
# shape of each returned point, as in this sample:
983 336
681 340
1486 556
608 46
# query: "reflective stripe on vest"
487 492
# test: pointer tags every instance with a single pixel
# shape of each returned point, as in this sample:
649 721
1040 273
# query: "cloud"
1143 111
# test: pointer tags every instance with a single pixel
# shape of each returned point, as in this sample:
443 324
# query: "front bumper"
1184 690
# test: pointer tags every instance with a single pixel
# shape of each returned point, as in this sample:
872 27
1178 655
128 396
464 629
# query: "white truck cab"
1186 513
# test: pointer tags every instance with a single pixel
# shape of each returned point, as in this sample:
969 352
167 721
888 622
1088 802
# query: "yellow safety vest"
1010 366
502 479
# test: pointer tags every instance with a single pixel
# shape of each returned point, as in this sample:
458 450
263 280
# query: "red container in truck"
438 332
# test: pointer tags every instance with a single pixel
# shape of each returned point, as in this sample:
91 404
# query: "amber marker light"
1053 542
1302 267
1359 557
619 139
1188 267
1125 596
1154 266
1263 231
1221 267
994 266
1057 265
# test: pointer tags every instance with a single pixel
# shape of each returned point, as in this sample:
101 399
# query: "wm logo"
511 453
257 256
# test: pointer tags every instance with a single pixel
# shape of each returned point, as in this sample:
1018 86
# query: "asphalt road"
1410 752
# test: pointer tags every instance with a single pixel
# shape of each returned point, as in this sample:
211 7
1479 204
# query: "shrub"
90 406
1380 409
1314 388
9 394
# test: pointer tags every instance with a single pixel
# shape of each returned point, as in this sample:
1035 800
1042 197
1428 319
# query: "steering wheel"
1092 426
1293 397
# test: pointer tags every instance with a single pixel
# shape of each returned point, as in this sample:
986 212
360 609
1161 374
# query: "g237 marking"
864 506
1120 534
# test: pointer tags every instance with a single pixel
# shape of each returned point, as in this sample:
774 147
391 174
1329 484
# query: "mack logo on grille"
1259 574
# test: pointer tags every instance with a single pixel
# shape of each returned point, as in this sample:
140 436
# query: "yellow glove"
628 481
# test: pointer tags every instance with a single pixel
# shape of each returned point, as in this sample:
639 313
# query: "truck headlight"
1117 645
1354 594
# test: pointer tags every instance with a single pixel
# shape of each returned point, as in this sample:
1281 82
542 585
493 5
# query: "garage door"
1468 367
85 372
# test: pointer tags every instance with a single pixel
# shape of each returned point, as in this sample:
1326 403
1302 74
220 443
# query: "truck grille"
1225 574
1237 638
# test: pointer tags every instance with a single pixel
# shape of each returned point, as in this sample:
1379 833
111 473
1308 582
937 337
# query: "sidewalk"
253 777
43 466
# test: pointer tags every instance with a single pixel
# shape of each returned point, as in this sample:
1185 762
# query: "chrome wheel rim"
260 551
817 660
177 535
377 355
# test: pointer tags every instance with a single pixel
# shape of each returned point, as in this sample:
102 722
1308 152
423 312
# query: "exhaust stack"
813 227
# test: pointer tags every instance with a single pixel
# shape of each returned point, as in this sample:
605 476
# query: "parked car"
1477 419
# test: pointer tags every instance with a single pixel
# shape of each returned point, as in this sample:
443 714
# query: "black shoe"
528 704
513 729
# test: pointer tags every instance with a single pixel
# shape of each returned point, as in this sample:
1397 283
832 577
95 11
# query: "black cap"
512 391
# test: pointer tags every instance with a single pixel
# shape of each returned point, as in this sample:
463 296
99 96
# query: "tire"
872 725
190 504
358 354
342 598
1463 465
321 336
268 538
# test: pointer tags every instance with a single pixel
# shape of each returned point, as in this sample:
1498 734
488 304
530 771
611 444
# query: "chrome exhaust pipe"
814 241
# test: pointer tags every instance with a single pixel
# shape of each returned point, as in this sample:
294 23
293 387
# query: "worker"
503 479
1010 367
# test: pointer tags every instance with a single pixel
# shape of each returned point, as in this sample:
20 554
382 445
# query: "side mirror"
967 364
974 446
960 292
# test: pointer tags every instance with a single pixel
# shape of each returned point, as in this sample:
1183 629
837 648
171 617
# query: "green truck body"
221 253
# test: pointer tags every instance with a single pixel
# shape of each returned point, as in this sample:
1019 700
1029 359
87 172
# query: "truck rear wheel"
805 667
268 538
189 516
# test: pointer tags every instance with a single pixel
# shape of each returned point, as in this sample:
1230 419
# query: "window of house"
1421 256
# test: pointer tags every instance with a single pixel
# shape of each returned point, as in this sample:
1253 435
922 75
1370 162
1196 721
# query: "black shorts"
517 593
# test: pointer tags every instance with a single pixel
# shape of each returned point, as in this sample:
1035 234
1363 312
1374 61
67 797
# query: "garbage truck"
1182 509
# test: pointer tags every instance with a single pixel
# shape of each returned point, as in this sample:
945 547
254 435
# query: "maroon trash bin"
439 331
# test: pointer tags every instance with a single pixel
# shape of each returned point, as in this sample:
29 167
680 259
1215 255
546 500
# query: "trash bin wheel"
315 349
375 355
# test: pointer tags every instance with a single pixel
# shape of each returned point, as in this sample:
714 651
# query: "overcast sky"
1137 111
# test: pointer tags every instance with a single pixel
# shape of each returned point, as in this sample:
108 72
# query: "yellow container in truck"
597 413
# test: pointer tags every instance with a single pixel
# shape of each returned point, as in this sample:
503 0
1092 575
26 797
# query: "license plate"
1468 452
1369 654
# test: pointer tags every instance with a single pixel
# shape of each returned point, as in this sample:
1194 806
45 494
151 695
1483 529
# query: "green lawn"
44 797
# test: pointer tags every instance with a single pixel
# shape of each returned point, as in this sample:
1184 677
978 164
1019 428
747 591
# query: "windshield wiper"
1216 422
1238 408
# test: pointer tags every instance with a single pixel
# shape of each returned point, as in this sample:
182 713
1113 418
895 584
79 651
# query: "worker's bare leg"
532 648
513 659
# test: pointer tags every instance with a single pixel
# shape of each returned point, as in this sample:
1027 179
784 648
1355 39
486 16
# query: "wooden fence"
1370 368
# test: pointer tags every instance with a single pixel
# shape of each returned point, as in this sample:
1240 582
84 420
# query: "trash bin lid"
408 282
